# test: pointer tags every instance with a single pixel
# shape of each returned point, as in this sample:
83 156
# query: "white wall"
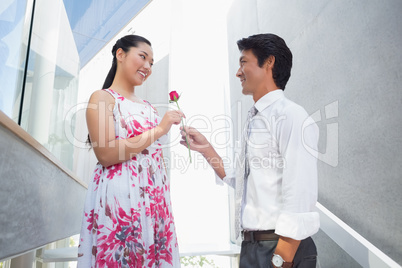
347 64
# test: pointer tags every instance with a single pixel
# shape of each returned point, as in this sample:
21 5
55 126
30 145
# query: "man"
276 185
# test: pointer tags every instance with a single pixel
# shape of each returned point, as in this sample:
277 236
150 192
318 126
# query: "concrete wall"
40 203
347 68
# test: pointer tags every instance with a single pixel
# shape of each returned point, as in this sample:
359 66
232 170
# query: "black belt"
260 235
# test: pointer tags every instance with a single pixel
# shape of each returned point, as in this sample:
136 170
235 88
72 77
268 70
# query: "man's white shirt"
281 189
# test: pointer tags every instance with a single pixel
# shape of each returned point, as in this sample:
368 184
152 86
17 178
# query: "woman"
128 218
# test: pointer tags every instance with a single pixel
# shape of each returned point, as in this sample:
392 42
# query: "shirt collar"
268 99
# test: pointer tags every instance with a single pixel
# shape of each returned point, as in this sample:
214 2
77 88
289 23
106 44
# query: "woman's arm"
107 148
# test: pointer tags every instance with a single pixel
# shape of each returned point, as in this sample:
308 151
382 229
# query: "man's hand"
197 141
287 248
200 144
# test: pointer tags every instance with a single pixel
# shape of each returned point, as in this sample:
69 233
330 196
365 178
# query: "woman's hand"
170 118
197 141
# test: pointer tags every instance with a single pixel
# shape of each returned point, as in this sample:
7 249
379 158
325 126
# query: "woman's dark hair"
265 45
124 43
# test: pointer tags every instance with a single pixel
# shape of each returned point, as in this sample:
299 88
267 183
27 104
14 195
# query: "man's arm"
298 218
287 248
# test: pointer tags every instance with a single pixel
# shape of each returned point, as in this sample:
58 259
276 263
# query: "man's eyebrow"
241 58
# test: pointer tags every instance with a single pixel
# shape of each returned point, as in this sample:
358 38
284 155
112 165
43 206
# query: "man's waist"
266 235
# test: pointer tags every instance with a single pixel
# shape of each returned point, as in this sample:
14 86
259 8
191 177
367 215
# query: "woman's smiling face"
136 64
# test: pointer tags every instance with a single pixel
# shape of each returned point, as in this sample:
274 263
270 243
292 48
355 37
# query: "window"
15 19
52 80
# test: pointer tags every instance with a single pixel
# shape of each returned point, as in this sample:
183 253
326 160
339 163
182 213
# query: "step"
70 254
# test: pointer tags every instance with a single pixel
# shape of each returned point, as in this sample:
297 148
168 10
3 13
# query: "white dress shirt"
281 189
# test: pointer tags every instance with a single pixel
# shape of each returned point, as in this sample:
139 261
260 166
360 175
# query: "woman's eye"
142 56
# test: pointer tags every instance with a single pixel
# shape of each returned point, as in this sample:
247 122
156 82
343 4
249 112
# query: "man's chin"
246 92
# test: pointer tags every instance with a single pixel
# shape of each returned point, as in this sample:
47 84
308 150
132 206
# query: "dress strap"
115 95
111 92
150 105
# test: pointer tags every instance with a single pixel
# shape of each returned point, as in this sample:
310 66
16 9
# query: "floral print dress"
128 219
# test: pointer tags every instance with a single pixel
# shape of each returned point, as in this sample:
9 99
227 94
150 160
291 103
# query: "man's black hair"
265 45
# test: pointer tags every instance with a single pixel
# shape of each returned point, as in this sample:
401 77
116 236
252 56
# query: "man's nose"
239 72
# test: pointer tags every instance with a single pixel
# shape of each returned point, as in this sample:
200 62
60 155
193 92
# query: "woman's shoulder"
101 95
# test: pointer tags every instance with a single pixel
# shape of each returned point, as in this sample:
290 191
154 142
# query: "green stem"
182 123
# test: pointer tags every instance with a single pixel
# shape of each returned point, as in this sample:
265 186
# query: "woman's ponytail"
110 76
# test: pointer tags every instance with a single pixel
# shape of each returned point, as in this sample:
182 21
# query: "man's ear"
269 62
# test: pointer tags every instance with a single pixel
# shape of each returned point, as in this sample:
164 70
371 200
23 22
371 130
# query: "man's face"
252 76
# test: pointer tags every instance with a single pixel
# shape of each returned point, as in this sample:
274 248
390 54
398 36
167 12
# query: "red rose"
174 96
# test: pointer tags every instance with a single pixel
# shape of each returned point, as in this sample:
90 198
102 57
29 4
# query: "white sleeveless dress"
128 219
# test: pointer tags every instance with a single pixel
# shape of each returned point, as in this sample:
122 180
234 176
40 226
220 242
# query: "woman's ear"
120 54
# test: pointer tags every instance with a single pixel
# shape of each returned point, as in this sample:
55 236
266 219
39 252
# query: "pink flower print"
117 246
151 171
114 170
163 235
137 125
162 240
151 176
134 129
147 211
145 151
151 257
148 124
153 155
108 212
142 192
132 169
92 219
97 176
130 132
94 250
122 121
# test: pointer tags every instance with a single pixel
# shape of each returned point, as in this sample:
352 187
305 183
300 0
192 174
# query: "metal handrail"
359 248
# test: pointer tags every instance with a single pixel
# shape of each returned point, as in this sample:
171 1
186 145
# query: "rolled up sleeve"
229 179
298 137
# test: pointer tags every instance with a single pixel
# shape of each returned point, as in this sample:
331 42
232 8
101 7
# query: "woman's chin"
137 82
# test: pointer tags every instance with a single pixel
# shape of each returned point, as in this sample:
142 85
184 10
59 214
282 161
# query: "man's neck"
259 94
